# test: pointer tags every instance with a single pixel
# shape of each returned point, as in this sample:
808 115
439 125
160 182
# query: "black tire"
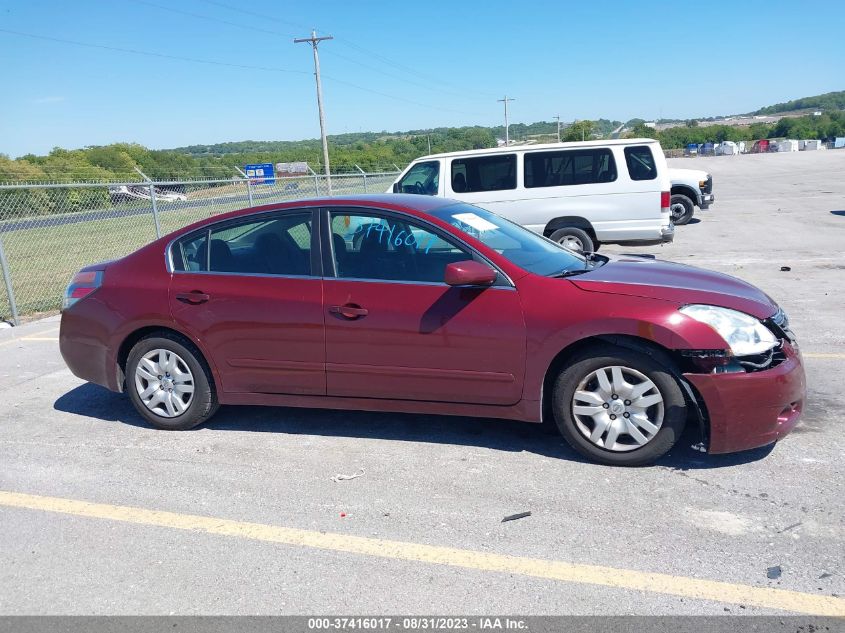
652 367
681 217
201 406
571 235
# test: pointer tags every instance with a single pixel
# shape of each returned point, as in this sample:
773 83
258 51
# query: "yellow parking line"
695 588
821 355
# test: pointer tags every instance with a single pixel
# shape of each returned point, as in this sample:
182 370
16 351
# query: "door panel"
244 289
425 342
265 334
394 330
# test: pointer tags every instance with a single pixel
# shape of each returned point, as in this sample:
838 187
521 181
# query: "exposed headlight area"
750 343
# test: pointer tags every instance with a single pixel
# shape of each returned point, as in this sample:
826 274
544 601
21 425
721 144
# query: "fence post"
364 176
248 185
7 279
316 180
155 210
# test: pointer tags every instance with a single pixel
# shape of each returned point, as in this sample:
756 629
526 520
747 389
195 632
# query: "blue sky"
434 63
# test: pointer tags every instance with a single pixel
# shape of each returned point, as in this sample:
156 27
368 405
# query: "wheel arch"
575 221
685 190
639 344
136 335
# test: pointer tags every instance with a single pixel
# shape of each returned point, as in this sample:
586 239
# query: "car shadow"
96 402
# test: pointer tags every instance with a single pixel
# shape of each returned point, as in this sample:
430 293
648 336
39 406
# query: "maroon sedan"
417 304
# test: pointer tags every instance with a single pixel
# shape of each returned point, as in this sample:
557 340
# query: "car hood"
686 174
655 279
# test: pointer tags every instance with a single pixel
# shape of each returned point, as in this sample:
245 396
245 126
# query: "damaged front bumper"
749 409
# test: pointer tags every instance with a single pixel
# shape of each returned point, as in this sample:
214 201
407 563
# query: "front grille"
708 185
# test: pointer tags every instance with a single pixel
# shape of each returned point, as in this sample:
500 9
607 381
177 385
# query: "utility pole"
557 116
507 126
314 40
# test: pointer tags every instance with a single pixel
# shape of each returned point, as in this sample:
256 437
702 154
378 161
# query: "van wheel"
169 383
574 239
681 209
618 407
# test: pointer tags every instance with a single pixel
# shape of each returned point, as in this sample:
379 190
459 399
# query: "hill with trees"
827 102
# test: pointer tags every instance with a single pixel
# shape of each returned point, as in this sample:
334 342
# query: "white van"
581 195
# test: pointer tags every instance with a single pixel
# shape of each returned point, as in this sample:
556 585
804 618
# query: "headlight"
743 333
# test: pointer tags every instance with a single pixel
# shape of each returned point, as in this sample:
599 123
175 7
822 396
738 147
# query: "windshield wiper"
571 273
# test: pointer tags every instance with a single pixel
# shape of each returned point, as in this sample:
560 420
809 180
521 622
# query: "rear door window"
270 245
640 163
485 173
572 167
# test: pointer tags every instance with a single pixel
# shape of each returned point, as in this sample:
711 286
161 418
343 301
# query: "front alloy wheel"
619 406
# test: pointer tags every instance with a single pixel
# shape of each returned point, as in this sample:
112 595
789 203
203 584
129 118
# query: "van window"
575 167
640 163
485 173
422 178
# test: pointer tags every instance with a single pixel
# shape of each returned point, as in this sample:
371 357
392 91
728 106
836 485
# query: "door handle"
194 298
349 310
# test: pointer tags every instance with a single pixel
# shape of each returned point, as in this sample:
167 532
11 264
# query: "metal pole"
248 185
507 125
558 127
314 40
7 278
155 210
364 176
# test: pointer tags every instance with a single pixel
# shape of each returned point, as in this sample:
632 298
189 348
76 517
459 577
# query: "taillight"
82 285
665 200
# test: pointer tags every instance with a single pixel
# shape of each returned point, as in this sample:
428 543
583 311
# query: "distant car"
125 193
292 186
427 305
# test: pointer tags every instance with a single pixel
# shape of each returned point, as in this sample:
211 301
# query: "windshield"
422 178
524 248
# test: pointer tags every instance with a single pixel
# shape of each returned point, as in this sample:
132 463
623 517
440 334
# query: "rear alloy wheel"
574 239
619 407
681 208
168 382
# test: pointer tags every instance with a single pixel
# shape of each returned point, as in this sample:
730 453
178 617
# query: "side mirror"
469 273
395 187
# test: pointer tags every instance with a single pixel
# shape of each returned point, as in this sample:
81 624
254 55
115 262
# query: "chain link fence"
49 231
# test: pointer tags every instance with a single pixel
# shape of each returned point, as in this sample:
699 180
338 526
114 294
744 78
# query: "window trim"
515 156
603 149
315 253
503 280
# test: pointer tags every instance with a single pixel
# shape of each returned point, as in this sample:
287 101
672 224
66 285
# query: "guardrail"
49 231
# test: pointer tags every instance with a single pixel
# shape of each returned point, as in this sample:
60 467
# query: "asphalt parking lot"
101 514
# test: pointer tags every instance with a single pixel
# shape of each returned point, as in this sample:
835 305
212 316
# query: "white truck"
690 188
580 195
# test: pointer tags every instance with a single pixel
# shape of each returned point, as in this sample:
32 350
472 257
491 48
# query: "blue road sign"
261 174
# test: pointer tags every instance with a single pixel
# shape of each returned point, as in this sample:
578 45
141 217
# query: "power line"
231 65
211 18
133 51
378 56
274 33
